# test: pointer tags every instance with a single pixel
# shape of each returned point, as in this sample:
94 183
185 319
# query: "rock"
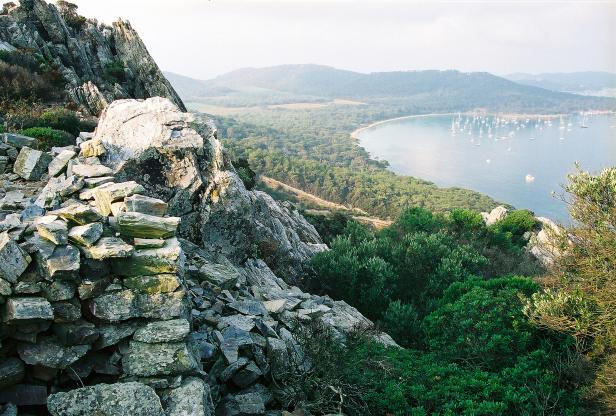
496 215
145 360
91 148
108 248
168 259
78 213
58 164
249 307
90 287
245 323
117 208
94 182
275 306
76 333
247 375
58 290
233 368
13 260
31 164
225 276
24 395
160 283
90 171
163 331
135 224
13 200
278 357
108 193
250 401
4 161
128 304
62 264
5 288
86 235
120 399
111 334
148 243
54 231
12 371
27 309
18 141
192 398
146 205
49 352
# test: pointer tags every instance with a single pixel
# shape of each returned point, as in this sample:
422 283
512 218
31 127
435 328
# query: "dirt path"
357 214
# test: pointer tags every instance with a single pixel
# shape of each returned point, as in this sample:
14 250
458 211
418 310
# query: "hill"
589 82
414 91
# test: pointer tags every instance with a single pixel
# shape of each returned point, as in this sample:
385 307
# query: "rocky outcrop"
120 297
98 63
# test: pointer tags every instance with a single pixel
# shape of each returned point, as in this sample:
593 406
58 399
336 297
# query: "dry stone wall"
110 307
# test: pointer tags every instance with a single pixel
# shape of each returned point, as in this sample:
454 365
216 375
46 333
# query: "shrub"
516 223
60 119
246 174
114 72
402 322
47 137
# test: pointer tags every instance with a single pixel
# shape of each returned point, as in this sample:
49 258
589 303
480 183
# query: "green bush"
247 175
402 322
516 223
114 72
60 119
47 138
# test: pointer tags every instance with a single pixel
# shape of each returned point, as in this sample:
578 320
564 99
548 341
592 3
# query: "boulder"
495 215
90 171
31 164
13 260
136 224
120 399
91 148
63 263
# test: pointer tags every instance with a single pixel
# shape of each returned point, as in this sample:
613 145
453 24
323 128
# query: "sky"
205 38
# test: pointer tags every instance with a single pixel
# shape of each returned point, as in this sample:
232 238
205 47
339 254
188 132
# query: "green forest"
486 330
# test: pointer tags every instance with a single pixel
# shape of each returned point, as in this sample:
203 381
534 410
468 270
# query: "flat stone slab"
18 140
55 231
13 260
148 243
128 304
146 360
163 331
12 371
31 164
58 164
107 194
167 259
90 171
27 309
48 352
64 263
159 283
108 248
78 213
192 398
86 235
146 205
136 224
120 399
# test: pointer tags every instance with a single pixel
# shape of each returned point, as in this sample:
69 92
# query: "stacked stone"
92 291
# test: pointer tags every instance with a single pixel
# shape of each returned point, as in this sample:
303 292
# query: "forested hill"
577 82
430 90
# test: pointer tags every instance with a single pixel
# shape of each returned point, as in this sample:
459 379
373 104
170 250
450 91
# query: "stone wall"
111 305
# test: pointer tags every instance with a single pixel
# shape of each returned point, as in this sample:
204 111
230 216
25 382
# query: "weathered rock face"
82 51
176 157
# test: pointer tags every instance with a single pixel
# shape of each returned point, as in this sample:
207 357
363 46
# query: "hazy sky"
202 38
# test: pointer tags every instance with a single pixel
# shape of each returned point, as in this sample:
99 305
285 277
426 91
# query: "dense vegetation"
26 75
480 338
312 150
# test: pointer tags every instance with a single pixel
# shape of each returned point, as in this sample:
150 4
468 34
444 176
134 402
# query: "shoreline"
354 133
